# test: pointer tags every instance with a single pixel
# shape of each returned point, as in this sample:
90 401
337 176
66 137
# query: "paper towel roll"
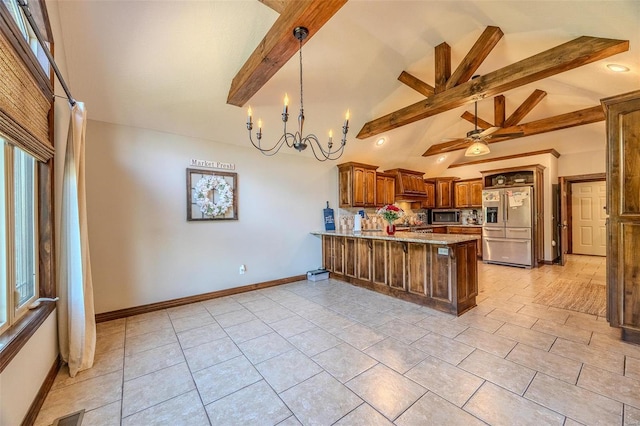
357 224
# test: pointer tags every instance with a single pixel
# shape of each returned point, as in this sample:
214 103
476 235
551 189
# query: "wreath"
207 205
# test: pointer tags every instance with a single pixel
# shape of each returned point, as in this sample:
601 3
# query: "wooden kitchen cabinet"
357 185
444 193
364 257
468 230
332 253
468 193
430 189
623 206
385 189
409 185
350 257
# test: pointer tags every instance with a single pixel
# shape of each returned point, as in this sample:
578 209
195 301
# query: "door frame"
565 223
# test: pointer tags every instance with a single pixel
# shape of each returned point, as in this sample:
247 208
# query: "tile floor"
330 353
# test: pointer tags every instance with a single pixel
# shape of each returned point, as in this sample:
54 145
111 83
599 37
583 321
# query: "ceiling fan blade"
455 143
507 135
489 131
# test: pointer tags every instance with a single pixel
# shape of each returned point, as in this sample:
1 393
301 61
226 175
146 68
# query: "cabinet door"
379 262
396 264
623 206
358 187
476 193
364 249
461 194
327 252
381 191
443 194
417 268
346 187
350 260
430 200
390 190
338 255
370 188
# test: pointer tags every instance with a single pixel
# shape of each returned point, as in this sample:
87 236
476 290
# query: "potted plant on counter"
390 213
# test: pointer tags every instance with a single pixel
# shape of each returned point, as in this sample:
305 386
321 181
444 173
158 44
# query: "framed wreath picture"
212 195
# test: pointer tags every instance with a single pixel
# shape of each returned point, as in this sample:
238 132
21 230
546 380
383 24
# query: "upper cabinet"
385 189
357 185
468 193
409 184
430 200
623 207
444 192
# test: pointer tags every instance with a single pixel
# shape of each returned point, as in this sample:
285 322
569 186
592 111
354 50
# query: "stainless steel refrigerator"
507 226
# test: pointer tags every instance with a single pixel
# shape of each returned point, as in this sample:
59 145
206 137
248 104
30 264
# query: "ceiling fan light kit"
296 140
477 148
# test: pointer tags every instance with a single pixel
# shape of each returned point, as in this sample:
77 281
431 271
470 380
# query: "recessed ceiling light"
380 141
441 158
617 68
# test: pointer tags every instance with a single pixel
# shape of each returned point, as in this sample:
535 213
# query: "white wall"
143 250
22 378
581 163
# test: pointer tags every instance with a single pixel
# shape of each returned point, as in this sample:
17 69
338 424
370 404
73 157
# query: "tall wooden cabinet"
623 207
357 185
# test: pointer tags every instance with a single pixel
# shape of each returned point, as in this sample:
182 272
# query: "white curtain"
76 313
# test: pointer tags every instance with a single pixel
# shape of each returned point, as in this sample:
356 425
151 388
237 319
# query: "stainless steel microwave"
446 217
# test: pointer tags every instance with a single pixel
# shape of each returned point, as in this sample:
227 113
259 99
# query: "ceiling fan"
476 139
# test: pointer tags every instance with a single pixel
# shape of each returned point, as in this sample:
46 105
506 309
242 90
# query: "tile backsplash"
344 217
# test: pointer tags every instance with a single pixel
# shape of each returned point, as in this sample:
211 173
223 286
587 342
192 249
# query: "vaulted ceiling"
168 66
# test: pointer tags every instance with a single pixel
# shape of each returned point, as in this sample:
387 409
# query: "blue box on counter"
318 275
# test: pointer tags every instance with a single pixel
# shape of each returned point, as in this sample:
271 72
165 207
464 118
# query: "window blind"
24 109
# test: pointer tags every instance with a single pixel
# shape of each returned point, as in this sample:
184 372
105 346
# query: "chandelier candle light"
297 140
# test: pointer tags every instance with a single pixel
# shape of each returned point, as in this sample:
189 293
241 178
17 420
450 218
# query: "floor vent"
73 419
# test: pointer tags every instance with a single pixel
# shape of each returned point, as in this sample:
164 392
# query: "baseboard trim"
36 405
143 309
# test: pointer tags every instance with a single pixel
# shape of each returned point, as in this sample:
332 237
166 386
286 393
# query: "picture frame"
211 195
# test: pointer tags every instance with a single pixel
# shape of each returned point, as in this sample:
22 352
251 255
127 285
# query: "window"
18 233
28 34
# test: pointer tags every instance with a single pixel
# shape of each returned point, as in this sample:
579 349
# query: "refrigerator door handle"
506 207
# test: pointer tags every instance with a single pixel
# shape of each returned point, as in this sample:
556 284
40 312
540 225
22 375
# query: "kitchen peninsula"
434 270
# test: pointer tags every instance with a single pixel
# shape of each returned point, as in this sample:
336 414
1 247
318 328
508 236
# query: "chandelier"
297 140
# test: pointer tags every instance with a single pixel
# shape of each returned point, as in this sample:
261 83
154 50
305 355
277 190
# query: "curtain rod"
25 8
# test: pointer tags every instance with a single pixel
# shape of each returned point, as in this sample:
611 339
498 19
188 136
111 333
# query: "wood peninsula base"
435 270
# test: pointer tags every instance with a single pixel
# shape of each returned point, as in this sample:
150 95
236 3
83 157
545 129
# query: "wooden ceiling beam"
474 58
499 111
525 108
471 119
416 84
558 122
443 66
567 56
277 5
279 45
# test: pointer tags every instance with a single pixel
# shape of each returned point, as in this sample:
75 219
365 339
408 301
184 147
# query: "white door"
588 218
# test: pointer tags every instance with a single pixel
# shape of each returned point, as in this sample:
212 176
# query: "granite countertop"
409 237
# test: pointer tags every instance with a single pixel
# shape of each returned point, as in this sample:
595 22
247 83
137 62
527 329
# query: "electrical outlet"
243 269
